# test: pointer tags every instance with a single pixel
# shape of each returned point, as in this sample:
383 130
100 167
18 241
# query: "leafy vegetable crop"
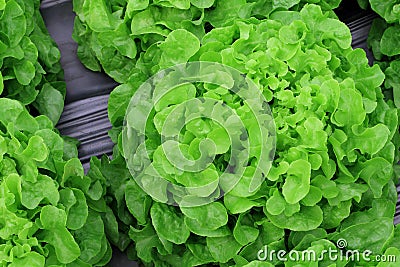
30 70
389 10
383 40
48 207
337 140
51 213
119 36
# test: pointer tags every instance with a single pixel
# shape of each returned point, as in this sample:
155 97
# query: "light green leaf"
223 248
297 183
178 47
168 223
24 72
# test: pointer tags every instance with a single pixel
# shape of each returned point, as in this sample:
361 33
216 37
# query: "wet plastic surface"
85 115
87 121
81 82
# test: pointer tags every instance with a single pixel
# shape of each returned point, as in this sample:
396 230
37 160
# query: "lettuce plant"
118 36
332 176
50 214
383 39
389 10
30 71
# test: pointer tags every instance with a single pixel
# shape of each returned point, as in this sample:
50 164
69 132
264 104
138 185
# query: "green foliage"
30 70
337 132
383 40
46 201
389 10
